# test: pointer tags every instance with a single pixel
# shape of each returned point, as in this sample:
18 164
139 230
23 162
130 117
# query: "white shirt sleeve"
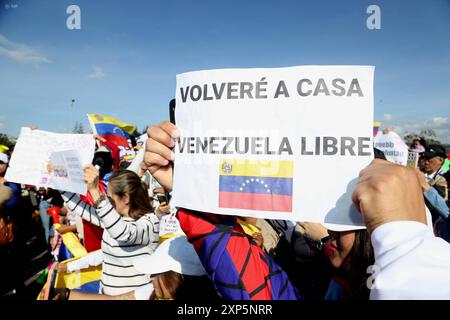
410 262
94 258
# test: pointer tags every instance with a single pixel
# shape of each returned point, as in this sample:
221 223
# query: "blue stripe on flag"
109 128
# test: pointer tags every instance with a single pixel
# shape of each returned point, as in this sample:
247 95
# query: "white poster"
32 152
285 143
395 150
67 172
142 139
413 159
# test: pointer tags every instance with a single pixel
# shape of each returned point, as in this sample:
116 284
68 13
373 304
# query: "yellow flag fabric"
77 279
3 148
98 119
248 228
73 245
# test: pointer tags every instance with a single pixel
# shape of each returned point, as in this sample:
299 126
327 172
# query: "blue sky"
124 59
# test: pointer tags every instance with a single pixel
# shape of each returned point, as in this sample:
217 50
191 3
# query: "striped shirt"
124 239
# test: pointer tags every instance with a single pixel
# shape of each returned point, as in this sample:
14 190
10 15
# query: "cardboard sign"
67 172
413 159
32 152
255 142
393 147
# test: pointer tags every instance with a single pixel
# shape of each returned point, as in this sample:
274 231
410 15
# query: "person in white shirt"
131 227
410 262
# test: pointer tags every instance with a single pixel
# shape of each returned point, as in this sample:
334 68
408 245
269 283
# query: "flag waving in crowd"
111 129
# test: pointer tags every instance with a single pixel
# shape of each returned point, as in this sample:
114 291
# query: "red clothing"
92 234
238 267
115 153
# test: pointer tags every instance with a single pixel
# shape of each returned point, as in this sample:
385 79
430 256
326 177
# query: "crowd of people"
148 250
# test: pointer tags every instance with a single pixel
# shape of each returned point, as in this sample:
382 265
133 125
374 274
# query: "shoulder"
148 218
439 179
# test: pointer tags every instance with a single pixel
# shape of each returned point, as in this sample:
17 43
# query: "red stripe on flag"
255 201
117 140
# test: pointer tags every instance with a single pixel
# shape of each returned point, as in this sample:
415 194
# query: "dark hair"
124 164
133 141
125 182
420 140
378 154
354 266
172 282
184 287
104 161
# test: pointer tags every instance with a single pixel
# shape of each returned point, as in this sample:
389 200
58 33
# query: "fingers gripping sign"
158 154
388 192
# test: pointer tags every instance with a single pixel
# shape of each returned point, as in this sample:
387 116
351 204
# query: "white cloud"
387 117
97 73
440 125
20 52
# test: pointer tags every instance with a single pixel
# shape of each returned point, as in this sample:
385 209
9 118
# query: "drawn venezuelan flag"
256 185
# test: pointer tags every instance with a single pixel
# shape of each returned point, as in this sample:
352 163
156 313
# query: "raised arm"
410 262
144 231
84 210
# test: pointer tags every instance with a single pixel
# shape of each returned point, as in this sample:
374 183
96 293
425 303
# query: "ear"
126 199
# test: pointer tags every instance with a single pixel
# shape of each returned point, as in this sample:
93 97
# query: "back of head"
125 182
104 160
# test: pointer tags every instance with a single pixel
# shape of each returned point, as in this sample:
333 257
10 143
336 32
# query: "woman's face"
339 247
121 204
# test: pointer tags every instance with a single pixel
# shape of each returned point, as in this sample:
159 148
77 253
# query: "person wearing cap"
431 162
11 254
220 241
5 194
130 226
439 208
176 274
418 145
350 252
410 262
15 199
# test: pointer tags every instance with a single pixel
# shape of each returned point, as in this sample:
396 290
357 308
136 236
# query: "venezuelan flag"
256 185
376 127
111 129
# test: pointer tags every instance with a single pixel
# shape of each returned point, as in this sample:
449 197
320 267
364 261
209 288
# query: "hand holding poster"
67 172
32 152
255 142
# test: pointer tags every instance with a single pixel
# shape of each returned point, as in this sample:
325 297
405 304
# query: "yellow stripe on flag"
257 168
73 244
376 123
77 279
99 118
